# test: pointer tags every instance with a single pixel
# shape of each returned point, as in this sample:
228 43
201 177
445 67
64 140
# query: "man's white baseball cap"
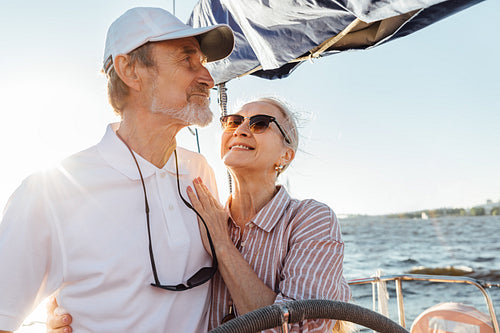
140 25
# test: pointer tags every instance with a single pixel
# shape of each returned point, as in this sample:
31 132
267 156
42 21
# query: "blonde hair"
290 123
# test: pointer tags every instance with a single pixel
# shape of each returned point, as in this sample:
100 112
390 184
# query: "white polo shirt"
80 231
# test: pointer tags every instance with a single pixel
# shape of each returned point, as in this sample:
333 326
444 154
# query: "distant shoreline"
488 209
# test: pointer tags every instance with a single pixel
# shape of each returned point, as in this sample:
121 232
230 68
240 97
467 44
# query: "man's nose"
205 78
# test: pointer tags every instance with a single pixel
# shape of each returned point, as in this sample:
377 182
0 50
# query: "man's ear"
127 72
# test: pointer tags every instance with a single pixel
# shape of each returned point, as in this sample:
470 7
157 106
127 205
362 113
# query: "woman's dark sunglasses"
258 123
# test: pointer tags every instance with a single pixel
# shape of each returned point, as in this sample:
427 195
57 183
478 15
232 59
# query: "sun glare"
35 322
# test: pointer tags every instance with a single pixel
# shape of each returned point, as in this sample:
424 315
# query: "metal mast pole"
221 88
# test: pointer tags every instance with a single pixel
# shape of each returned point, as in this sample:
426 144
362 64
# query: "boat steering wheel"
279 315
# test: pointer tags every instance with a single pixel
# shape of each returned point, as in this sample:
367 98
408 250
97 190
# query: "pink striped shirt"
296 248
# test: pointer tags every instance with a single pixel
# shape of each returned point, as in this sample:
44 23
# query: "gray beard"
191 114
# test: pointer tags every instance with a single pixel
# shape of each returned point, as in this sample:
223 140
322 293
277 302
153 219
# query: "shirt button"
171 207
251 225
243 244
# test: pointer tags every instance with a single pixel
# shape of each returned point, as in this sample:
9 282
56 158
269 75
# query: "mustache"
200 88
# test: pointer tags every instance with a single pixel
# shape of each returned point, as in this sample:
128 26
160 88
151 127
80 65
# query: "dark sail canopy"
272 37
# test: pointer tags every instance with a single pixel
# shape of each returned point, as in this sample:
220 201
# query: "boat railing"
398 279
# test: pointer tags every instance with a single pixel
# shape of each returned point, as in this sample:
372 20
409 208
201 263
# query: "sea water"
469 244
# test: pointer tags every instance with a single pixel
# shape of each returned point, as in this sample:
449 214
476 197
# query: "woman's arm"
247 290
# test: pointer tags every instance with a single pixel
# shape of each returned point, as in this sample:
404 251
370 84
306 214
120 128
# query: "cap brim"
216 42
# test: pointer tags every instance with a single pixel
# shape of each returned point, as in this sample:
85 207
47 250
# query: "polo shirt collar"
116 154
272 212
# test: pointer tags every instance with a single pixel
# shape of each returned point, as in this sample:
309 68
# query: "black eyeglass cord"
215 264
151 254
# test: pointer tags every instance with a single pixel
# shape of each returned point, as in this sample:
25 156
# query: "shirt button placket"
244 236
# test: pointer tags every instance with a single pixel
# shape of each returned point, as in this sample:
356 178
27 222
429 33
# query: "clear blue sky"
412 124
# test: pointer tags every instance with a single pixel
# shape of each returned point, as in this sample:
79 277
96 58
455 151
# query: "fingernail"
189 189
66 330
65 320
60 311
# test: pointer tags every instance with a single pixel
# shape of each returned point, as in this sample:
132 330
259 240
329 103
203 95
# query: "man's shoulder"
83 158
59 168
62 174
196 165
186 153
191 158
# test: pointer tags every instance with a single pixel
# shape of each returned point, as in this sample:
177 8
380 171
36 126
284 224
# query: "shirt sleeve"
313 267
27 254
